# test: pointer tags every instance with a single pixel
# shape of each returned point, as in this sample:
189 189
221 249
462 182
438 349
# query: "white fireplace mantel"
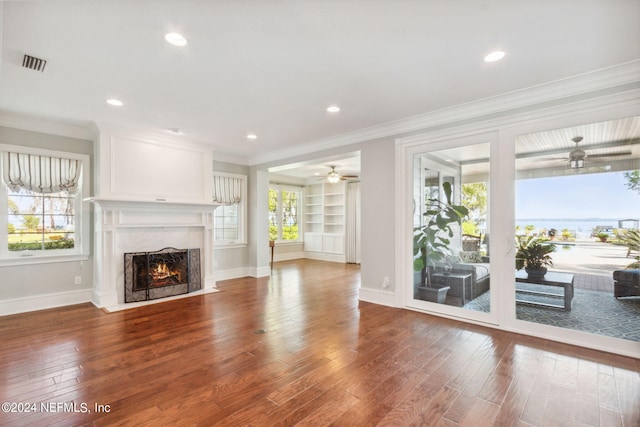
123 226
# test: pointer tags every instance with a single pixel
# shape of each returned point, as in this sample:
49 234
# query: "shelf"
325 214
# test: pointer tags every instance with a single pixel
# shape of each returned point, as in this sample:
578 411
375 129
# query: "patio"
594 309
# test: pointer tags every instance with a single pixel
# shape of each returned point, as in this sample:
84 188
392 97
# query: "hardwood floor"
298 349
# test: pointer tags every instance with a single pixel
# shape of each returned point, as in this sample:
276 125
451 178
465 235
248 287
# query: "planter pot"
438 295
536 272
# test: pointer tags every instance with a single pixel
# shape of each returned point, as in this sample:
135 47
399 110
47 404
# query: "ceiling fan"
577 156
334 176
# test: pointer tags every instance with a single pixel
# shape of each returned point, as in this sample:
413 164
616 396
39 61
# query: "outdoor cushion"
470 256
480 270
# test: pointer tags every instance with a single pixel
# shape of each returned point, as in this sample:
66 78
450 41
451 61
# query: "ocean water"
579 227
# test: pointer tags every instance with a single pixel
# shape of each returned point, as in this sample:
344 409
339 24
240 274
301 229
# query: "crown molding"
60 127
613 79
228 158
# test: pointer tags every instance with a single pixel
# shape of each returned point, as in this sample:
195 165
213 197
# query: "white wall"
37 286
377 196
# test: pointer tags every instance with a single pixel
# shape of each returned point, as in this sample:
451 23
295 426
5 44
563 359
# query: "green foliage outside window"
31 222
632 179
36 246
283 214
474 198
290 232
40 221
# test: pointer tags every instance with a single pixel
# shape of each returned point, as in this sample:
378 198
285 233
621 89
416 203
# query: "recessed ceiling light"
252 136
175 39
494 56
115 102
333 109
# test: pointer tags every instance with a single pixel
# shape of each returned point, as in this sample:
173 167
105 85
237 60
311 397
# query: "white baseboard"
42 302
320 256
288 256
376 296
257 272
232 273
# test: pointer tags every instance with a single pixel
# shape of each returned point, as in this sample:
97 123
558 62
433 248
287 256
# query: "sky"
597 195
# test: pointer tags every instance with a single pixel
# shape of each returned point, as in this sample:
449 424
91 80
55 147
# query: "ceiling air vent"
33 63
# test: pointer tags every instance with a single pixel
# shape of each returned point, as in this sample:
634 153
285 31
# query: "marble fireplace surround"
137 226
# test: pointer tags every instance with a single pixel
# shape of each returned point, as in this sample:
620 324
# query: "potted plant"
534 255
431 241
603 237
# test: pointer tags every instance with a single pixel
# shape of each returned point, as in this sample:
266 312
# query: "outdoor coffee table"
562 280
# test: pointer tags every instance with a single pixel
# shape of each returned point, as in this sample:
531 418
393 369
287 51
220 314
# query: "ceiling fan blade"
622 153
550 159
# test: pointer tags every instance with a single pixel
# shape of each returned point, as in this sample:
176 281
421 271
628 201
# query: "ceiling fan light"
576 163
333 177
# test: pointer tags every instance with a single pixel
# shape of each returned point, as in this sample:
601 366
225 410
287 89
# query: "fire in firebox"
162 275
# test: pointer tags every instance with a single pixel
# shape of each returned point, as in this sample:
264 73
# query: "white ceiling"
271 68
609 146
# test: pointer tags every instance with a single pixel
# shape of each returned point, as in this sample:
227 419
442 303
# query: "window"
229 220
41 221
284 213
42 193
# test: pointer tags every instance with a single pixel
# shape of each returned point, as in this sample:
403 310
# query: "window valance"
227 190
41 174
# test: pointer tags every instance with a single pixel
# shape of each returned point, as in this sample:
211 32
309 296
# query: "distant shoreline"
576 219
580 227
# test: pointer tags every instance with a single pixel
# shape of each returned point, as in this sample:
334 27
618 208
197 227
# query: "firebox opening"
167 272
156 270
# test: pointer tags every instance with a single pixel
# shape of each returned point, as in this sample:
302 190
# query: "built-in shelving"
334 207
313 213
324 218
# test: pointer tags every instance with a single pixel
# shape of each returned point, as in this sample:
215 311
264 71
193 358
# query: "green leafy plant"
431 241
631 239
533 252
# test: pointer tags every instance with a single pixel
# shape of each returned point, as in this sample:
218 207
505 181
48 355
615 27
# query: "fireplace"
160 274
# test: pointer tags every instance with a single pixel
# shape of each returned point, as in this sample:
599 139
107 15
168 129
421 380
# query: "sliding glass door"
577 210
451 237
474 212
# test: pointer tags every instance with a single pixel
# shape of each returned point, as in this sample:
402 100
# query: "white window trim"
300 191
81 251
242 216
